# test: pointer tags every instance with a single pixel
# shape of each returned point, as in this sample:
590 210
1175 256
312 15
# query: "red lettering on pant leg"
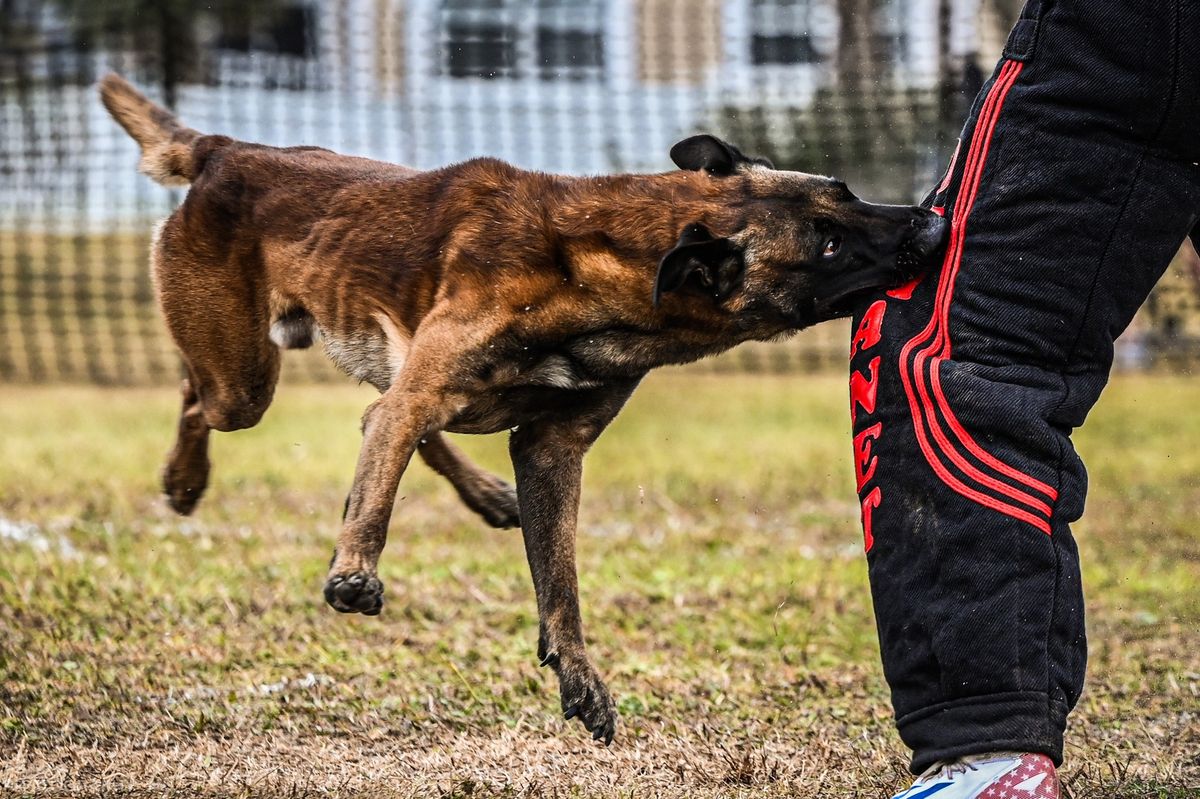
905 292
863 389
870 329
864 460
863 392
869 504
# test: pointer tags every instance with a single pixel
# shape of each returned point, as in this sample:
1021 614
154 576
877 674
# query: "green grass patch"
724 590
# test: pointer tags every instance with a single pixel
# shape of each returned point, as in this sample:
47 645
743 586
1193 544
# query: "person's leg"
1072 188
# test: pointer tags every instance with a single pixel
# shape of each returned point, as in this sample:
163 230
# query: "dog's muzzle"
920 246
924 243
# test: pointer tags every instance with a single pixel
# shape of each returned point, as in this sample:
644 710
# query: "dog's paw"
182 499
357 592
496 502
184 487
585 697
498 506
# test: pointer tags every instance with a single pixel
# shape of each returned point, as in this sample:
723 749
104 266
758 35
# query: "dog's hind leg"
480 490
218 316
185 475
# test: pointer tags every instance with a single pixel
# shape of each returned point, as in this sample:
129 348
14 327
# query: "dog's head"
787 248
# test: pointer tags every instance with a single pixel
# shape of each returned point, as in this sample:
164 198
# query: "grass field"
723 583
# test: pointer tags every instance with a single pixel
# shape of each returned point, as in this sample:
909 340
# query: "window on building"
273 47
549 39
781 32
287 30
479 39
293 31
569 39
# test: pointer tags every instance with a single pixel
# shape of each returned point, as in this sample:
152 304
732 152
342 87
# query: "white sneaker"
996 775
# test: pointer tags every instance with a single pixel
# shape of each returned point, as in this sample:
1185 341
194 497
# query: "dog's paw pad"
358 592
182 500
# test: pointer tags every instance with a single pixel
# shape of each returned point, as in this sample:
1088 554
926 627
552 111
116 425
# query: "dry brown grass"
724 591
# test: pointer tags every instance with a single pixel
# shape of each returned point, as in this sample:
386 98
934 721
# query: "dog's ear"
712 155
717 263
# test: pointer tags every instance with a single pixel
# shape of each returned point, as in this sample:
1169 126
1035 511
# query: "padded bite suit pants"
1074 183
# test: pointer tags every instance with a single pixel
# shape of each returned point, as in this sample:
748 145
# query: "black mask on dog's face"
798 248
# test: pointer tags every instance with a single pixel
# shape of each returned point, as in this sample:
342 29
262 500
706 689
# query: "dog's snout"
930 232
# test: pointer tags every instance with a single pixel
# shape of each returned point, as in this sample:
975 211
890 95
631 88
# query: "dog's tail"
166 144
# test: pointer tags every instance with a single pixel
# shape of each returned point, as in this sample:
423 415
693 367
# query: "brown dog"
480 298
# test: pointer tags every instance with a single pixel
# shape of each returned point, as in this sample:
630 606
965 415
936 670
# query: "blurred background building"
873 91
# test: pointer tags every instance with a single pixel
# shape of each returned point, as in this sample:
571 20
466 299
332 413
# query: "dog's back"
278 243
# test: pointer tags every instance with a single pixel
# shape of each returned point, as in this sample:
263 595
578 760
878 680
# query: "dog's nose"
930 232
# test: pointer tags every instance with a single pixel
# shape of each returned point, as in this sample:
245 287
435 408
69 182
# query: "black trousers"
1075 181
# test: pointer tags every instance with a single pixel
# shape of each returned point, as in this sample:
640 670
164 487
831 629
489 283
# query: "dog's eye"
832 247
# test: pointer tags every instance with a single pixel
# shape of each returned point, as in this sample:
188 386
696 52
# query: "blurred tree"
860 62
17 31
21 36
866 125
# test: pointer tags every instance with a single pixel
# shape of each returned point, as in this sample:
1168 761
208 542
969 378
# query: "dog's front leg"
392 427
548 461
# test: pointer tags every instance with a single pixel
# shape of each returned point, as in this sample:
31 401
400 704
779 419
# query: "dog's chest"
555 370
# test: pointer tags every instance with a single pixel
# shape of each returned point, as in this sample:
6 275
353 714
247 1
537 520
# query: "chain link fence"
870 90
